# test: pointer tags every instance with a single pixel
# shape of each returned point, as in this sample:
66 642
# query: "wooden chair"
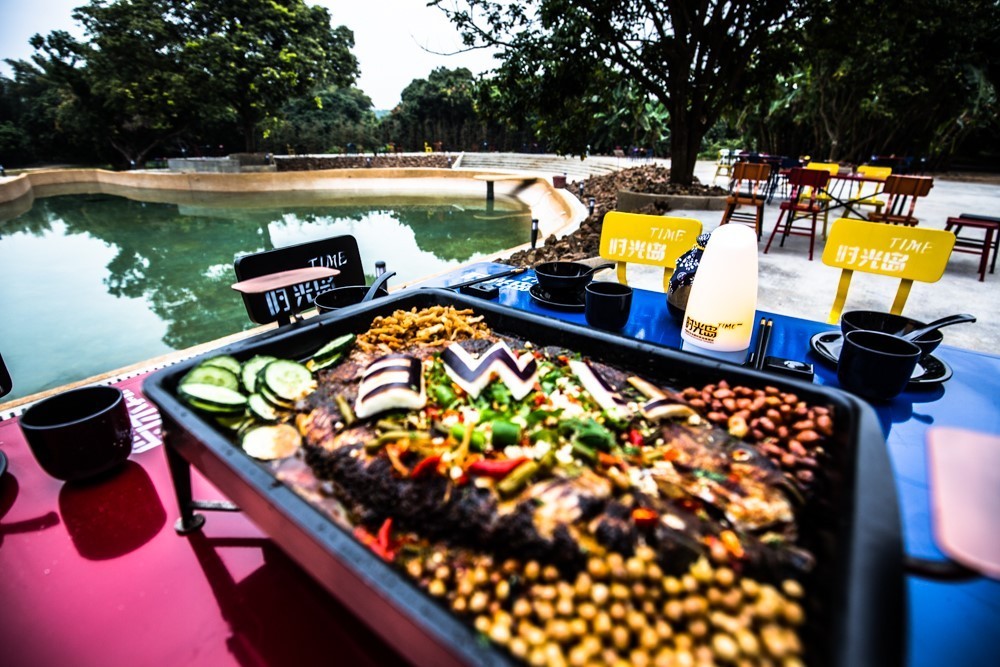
901 194
652 240
281 302
750 181
803 203
989 242
906 253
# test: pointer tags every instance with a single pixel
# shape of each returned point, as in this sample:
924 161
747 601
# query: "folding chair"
901 194
867 193
750 181
907 253
824 197
803 203
282 300
652 240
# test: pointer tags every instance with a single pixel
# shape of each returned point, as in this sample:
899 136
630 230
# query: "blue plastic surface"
949 623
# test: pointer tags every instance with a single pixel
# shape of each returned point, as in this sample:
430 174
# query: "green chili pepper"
518 479
505 433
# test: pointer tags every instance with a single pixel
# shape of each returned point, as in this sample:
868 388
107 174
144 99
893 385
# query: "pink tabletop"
94 574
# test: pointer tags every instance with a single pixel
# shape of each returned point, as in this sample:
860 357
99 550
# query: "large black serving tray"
859 596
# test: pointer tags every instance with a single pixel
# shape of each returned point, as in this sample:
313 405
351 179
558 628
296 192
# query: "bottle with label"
683 276
722 304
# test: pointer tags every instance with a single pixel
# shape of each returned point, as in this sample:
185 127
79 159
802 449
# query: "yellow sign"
910 253
647 239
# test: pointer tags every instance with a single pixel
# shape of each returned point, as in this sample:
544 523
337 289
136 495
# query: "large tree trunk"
685 139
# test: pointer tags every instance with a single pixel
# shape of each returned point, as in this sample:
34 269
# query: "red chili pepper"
539 399
381 544
495 468
643 517
609 461
385 534
635 437
426 467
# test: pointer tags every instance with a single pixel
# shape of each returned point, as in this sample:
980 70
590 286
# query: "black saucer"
929 370
557 300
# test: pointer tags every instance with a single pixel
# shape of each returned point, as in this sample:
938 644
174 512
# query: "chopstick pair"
756 359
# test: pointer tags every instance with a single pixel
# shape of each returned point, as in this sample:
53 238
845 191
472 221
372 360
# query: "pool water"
91 283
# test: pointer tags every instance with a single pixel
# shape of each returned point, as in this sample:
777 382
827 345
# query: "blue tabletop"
949 623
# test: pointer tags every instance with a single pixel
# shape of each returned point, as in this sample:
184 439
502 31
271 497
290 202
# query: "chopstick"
503 274
763 338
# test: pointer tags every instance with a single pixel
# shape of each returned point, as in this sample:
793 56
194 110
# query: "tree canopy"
150 69
694 58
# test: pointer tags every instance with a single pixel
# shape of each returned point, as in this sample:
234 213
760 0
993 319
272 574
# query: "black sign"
338 252
5 382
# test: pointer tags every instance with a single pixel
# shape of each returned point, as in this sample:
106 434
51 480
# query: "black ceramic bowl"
561 277
341 297
900 325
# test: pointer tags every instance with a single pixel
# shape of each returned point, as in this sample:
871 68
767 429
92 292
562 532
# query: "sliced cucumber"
223 361
212 398
233 422
251 367
319 364
275 401
208 374
288 380
334 347
271 442
262 409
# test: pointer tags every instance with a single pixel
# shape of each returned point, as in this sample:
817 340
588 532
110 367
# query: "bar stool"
749 189
977 246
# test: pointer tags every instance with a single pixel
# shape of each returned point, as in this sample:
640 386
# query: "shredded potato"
436 325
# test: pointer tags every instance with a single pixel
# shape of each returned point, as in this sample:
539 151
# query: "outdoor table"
96 575
837 184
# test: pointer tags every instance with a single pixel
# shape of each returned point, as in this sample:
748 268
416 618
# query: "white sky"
391 39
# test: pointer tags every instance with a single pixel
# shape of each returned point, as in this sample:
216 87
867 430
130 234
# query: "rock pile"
585 241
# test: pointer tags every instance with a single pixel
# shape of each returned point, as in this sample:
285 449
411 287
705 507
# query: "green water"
91 283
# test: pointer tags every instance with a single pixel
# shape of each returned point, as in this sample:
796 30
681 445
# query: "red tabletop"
94 574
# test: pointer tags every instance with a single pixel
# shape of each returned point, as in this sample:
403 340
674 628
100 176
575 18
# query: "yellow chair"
652 240
907 253
866 194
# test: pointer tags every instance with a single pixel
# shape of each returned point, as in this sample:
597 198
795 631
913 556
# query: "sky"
393 39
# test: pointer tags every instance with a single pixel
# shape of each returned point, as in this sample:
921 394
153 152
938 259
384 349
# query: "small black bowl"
900 325
341 297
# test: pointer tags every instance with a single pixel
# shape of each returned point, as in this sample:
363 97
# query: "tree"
694 58
440 108
151 70
326 122
912 78
255 55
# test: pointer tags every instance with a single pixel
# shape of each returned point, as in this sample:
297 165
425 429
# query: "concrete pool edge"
557 211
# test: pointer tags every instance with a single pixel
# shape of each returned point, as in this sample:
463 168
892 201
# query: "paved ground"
792 285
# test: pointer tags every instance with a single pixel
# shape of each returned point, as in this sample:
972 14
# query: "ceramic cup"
876 365
607 305
79 433
341 297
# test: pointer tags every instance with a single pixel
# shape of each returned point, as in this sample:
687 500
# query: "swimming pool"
95 282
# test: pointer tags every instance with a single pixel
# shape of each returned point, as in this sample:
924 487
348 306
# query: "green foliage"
561 60
327 122
438 111
152 71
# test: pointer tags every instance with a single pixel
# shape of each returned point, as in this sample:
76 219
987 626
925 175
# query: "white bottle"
722 306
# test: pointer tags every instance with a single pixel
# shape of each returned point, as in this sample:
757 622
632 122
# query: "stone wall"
384 161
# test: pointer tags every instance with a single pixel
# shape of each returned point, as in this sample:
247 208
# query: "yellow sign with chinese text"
909 253
647 239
